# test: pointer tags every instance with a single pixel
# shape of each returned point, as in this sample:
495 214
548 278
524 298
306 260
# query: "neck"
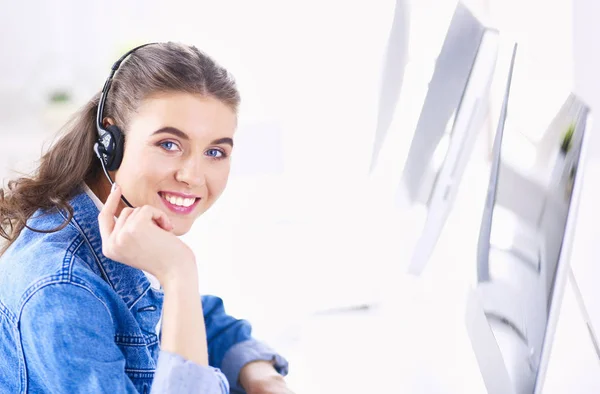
101 187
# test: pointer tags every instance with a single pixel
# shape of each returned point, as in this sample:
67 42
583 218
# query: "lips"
178 202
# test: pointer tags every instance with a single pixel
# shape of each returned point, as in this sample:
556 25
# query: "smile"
179 203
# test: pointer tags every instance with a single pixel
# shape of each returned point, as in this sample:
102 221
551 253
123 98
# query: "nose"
192 173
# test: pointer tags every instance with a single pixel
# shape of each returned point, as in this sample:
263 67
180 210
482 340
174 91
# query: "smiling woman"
177 155
99 296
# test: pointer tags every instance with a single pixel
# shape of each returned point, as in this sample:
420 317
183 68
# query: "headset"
111 142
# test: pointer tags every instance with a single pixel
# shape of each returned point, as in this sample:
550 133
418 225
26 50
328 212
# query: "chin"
180 230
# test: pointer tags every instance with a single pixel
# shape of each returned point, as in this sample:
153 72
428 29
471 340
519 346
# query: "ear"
107 122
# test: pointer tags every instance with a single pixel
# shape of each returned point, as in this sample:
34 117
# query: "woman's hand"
273 385
141 238
259 377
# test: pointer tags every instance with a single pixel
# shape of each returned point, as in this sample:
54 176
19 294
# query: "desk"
416 343
416 347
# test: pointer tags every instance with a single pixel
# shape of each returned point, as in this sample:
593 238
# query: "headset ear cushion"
114 161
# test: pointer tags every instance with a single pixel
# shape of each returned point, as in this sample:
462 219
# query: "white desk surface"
403 348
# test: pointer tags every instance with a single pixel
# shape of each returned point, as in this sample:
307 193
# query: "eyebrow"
178 133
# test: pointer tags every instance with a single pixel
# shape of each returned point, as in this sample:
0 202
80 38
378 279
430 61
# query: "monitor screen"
448 83
453 115
524 236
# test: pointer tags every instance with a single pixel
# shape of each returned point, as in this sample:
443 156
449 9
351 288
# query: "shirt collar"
93 196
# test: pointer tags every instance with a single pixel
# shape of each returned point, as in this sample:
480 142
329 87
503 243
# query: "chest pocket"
141 353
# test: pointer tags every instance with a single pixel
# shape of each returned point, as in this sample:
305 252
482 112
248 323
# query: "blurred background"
309 222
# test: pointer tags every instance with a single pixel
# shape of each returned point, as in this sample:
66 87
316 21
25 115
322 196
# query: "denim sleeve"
67 339
230 343
246 352
176 375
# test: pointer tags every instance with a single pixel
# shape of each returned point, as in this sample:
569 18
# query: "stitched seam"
140 297
76 225
12 319
68 259
144 374
55 279
136 340
130 340
130 344
73 259
22 362
6 312
224 383
32 291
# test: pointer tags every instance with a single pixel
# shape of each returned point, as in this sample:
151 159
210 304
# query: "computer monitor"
453 113
392 77
525 240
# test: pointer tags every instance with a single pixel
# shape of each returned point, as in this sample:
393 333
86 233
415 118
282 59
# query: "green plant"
567 140
60 96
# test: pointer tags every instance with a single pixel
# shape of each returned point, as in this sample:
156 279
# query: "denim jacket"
72 320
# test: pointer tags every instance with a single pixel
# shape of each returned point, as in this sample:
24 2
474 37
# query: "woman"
91 281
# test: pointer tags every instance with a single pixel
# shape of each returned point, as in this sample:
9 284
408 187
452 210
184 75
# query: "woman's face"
177 155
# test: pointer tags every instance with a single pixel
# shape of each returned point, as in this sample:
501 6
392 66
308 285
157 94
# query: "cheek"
148 158
139 168
134 161
145 172
217 182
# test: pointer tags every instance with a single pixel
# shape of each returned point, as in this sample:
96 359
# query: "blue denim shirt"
72 320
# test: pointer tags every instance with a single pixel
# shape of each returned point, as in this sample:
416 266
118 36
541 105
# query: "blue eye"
215 153
169 145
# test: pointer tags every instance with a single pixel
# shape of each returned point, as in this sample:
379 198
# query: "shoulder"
39 260
61 301
57 302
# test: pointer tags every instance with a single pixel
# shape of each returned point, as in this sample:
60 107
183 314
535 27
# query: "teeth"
179 201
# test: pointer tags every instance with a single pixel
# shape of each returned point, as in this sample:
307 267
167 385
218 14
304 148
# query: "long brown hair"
157 68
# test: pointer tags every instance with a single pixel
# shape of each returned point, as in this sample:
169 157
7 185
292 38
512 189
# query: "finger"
163 222
157 216
106 218
123 217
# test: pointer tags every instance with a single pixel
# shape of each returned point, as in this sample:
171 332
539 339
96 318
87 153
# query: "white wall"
586 54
